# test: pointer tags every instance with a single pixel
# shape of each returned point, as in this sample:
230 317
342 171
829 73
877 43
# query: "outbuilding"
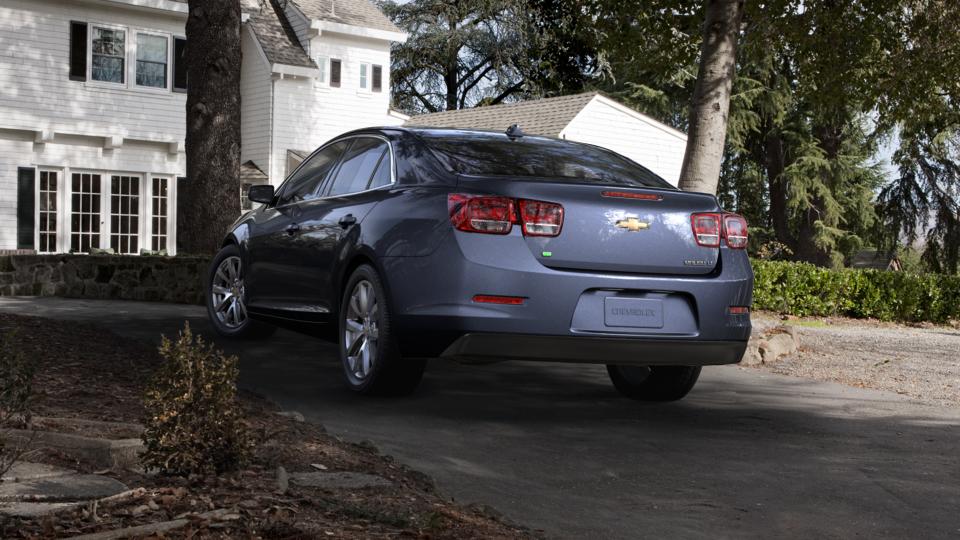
590 117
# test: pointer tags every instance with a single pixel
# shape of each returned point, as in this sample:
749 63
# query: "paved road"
747 454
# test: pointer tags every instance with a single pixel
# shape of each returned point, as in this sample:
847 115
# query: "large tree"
208 201
459 53
710 105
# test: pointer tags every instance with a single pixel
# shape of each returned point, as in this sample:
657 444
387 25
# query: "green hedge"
804 289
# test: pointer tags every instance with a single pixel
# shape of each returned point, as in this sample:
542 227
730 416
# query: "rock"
35 509
318 466
338 480
776 346
293 415
22 471
752 355
283 480
69 488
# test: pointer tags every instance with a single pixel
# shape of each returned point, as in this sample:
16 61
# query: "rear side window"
359 165
537 157
303 183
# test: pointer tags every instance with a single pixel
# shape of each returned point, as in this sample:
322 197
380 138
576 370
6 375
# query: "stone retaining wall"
158 279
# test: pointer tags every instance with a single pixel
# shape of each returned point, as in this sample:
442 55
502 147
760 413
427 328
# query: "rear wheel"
654 383
227 298
371 358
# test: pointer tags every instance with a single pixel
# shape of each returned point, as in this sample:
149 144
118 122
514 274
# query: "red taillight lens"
632 195
739 310
709 228
495 299
706 229
481 213
496 215
735 231
540 218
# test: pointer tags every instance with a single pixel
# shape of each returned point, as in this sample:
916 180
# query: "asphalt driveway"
747 454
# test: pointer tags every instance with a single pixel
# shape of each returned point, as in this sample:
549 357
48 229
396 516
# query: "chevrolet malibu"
405 244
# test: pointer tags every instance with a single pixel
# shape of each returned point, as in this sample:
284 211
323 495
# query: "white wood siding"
37 93
656 147
255 90
308 113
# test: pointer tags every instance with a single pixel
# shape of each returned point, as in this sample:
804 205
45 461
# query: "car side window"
383 175
303 184
358 166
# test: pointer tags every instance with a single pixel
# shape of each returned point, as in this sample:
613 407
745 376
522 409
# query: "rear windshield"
497 155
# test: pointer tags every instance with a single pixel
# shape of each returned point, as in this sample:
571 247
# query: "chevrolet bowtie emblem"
633 224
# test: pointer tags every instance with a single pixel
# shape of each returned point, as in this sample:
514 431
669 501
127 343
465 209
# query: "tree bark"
711 97
209 201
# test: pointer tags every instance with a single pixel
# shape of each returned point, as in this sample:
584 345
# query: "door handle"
292 229
347 220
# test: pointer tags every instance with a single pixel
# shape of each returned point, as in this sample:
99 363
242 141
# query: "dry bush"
194 424
16 385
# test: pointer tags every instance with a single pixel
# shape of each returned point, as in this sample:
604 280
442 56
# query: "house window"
48 212
85 212
158 235
363 75
335 66
108 54
152 60
124 214
377 78
322 64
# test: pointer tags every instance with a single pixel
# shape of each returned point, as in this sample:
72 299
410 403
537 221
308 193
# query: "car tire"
375 366
226 298
654 383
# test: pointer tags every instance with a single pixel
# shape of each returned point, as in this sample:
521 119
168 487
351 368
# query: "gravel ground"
920 362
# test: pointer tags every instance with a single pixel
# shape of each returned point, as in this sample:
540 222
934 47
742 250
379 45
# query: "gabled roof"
546 117
276 36
251 174
360 13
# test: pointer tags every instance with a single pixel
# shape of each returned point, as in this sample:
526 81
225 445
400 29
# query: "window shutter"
179 65
377 78
26 205
335 73
78 51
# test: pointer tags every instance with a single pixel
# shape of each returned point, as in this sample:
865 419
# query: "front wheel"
227 298
654 383
371 358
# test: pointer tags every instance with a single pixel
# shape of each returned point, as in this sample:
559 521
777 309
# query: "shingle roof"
276 37
251 174
353 12
537 117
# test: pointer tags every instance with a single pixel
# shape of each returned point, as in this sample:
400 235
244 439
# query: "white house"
589 117
92 109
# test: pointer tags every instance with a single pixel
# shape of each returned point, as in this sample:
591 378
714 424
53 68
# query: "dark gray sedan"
405 244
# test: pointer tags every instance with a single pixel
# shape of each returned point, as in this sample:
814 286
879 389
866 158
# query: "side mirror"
262 193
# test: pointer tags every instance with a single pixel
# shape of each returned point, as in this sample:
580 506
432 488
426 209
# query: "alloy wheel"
360 330
227 292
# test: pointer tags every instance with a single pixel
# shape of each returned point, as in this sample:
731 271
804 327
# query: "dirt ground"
922 362
85 371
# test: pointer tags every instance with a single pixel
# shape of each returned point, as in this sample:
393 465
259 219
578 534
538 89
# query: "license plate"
633 312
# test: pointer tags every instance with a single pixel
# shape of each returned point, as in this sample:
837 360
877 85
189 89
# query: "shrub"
804 289
16 385
194 424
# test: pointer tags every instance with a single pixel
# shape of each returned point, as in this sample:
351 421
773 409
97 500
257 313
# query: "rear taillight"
496 215
540 218
706 229
735 231
481 214
709 228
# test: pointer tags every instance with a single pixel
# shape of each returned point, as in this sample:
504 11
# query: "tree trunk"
209 201
711 97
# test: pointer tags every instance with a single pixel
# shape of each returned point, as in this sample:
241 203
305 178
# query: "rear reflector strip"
629 195
493 299
739 310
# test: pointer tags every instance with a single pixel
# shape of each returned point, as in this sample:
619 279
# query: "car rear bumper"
485 348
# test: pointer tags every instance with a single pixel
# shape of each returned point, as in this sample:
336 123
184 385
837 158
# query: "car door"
275 243
350 192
